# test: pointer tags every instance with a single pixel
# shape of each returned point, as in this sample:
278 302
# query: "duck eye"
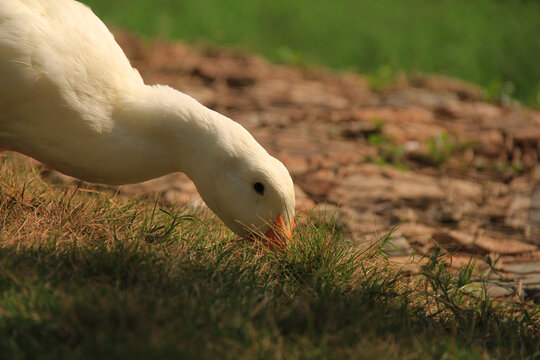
259 188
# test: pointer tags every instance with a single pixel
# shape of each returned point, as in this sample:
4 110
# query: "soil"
428 152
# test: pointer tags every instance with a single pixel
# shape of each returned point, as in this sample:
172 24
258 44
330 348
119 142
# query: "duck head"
248 189
253 194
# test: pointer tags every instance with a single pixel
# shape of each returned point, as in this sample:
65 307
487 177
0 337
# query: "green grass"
85 276
489 42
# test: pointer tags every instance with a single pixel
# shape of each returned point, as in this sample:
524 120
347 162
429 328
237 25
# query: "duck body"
70 98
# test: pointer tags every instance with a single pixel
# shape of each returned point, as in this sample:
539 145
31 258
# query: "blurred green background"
493 43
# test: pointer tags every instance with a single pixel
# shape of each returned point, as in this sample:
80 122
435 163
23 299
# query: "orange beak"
278 234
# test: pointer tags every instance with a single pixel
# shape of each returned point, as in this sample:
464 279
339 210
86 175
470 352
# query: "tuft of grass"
84 276
441 148
389 153
382 77
438 150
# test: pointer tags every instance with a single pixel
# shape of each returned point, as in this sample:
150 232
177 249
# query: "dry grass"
83 275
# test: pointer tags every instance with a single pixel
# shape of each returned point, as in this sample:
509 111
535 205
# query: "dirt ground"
428 152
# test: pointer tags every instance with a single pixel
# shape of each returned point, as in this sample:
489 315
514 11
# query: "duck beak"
278 234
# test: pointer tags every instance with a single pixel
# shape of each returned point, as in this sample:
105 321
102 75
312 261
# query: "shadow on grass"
84 277
202 299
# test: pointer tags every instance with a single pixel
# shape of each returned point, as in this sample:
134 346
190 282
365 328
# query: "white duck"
70 98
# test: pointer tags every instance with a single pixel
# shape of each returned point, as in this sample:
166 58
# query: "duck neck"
178 133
